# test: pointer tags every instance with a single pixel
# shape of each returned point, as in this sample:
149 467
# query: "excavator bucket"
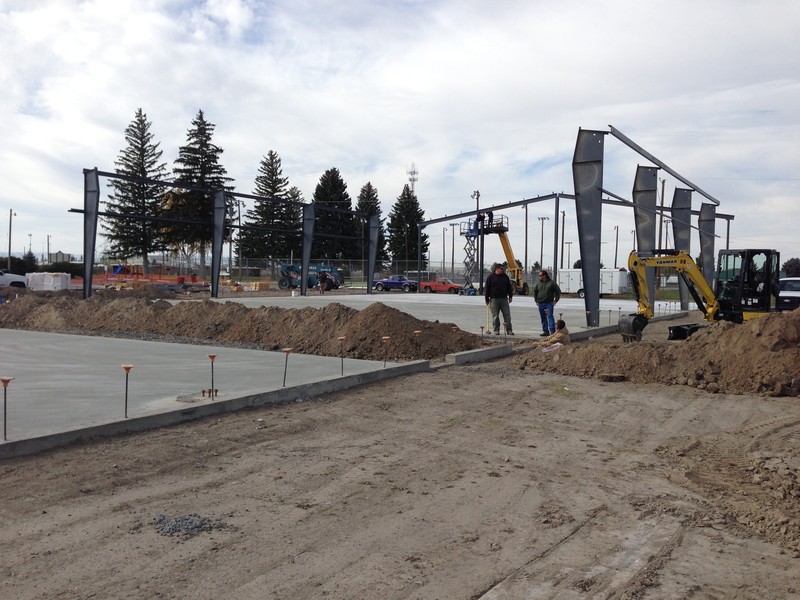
631 327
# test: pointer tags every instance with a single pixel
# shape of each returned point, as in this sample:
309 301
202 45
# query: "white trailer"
612 281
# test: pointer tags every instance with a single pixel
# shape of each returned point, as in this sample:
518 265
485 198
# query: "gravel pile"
187 525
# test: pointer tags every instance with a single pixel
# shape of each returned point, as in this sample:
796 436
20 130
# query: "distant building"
57 257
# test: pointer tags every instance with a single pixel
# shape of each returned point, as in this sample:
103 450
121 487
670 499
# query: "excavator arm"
631 326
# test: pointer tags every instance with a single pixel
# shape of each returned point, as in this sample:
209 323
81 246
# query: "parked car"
8 279
788 293
440 284
395 282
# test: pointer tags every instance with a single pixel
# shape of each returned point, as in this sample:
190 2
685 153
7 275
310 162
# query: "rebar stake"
127 368
419 344
212 357
341 351
286 352
5 381
385 346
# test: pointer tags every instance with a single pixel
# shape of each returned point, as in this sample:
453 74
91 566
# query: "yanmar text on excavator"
745 287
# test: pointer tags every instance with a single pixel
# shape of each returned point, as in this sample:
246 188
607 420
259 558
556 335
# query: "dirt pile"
306 330
761 356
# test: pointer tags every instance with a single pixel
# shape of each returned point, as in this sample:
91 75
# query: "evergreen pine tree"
198 166
141 158
331 191
269 183
293 220
369 203
30 262
404 220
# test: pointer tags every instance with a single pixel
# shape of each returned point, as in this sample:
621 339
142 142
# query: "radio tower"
412 176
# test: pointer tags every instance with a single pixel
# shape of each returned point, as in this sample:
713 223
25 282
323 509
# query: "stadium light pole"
453 252
11 215
444 249
541 247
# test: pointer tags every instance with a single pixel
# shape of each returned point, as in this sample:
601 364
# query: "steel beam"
91 208
587 176
681 216
633 145
644 216
706 222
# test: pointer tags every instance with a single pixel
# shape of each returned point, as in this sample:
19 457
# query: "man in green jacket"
546 293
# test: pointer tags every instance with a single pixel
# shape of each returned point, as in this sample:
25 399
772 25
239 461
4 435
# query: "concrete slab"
66 381
67 387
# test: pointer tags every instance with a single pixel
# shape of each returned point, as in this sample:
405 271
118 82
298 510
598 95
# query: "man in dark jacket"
499 292
546 293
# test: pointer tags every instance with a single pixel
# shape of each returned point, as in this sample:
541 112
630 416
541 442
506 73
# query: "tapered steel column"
706 223
682 232
644 214
217 239
587 176
308 238
91 206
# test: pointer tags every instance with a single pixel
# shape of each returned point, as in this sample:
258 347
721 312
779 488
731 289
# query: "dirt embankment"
306 330
761 356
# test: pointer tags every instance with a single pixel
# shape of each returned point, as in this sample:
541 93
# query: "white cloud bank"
479 96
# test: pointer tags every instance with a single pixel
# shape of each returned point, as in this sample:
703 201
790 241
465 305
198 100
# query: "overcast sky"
477 95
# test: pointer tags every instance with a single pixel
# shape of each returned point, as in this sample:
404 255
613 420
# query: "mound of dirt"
761 356
306 330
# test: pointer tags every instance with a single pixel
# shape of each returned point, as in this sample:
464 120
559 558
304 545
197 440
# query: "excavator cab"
746 283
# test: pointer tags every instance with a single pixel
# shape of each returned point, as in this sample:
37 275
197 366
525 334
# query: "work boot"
543 334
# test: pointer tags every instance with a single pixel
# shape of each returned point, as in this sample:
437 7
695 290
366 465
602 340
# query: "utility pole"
11 214
525 279
541 248
616 244
453 251
661 215
562 239
444 248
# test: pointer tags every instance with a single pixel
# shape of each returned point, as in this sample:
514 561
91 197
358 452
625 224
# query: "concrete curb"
156 419
479 355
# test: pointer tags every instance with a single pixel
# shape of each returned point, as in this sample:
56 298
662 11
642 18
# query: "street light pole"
526 244
616 244
541 248
453 252
444 247
569 252
11 214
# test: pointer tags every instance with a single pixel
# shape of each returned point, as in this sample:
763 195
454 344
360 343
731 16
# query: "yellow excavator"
499 225
745 287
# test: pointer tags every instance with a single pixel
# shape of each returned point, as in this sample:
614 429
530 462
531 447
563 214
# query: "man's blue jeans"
546 311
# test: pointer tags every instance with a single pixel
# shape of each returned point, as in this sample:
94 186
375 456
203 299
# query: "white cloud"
478 96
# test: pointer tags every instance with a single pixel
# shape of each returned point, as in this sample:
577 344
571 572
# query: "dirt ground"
603 470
